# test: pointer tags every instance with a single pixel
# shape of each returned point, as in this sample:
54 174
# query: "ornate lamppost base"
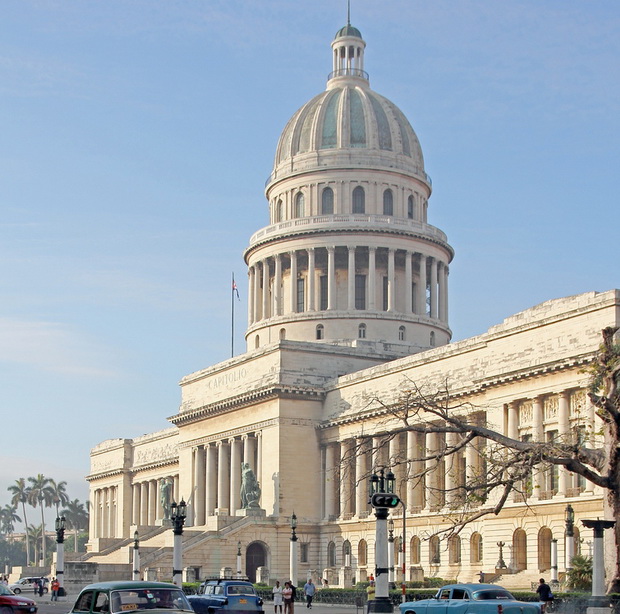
380 605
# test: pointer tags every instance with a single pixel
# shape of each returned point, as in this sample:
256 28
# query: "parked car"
221 595
472 599
27 584
10 602
124 597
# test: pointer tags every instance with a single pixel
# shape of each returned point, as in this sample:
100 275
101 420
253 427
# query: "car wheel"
17 591
6 610
45 590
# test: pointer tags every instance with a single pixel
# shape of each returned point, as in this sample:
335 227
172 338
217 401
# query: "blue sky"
136 137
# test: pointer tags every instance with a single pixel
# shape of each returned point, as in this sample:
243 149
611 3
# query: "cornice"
243 400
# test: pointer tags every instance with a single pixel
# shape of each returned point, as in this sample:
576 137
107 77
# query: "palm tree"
21 494
41 495
76 515
59 494
7 519
35 533
580 573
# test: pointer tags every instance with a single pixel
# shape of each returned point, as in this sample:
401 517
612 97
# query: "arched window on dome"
327 201
388 202
432 339
300 205
282 334
401 333
410 207
359 200
257 342
361 331
320 331
278 211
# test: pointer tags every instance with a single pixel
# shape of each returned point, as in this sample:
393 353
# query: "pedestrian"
55 586
287 596
544 591
370 591
41 584
277 597
35 586
309 590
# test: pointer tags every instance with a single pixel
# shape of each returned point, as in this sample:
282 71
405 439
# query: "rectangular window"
303 553
301 286
360 292
323 292
385 293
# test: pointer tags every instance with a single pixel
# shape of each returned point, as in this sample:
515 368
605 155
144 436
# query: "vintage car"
10 602
124 597
226 595
471 599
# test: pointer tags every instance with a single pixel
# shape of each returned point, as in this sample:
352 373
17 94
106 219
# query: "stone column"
311 280
413 487
144 503
265 289
513 420
235 475
421 298
345 477
330 480
391 281
361 494
257 294
451 482
442 291
293 298
251 273
153 501
135 510
538 474
408 284
434 310
211 490
199 485
331 278
471 462
223 478
446 310
351 279
277 286
563 434
372 278
258 470
432 496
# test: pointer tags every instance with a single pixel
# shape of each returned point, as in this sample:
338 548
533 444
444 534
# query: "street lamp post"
293 551
178 513
569 540
382 498
136 556
60 554
403 549
238 559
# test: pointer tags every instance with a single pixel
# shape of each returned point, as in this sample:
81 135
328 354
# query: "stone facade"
348 304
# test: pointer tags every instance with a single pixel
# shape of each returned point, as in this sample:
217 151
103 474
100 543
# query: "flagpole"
232 317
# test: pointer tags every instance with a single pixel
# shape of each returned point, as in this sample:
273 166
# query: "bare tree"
508 466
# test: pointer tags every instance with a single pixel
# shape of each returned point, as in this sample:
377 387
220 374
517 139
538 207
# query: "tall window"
432 339
401 333
410 207
360 292
361 331
327 201
278 214
414 550
454 550
359 200
475 548
303 552
362 553
434 551
385 293
323 292
300 205
320 331
388 202
301 287
331 554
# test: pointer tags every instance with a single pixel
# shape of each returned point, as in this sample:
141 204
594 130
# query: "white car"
27 585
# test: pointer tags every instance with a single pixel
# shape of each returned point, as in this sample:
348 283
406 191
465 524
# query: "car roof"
476 587
226 581
128 585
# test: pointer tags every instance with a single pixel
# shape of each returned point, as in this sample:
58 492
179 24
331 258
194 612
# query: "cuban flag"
234 289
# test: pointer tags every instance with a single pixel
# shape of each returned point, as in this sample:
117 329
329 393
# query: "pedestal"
380 604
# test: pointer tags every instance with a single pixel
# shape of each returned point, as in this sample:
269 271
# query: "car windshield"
240 589
494 593
148 599
5 590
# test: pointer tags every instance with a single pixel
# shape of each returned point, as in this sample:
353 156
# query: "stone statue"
250 489
165 490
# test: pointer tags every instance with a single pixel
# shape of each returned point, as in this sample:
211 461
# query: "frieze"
155 453
550 408
525 413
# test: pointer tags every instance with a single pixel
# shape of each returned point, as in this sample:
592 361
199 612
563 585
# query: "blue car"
226 597
471 599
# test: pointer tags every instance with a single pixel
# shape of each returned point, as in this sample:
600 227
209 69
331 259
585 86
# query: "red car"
10 602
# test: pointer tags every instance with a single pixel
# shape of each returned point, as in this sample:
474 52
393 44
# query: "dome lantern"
348 55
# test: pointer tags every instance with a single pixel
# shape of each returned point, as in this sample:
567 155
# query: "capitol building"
348 305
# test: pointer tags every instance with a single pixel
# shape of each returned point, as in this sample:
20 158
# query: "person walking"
41 585
278 600
309 590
